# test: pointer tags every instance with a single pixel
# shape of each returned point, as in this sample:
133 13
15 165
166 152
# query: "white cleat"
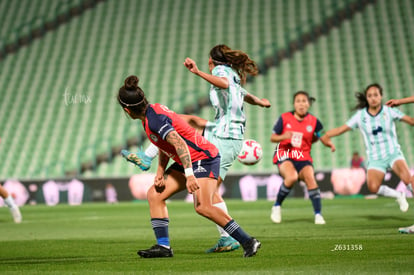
406 230
17 216
276 215
402 201
319 219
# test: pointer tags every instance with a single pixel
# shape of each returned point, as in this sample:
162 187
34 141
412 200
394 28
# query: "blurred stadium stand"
59 116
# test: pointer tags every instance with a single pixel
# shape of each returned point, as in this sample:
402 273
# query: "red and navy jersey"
304 131
160 121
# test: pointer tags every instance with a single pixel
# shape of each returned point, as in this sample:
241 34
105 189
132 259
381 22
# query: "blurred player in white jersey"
377 126
394 103
9 201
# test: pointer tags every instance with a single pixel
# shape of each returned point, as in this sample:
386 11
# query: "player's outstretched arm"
196 122
278 138
407 119
219 82
326 139
327 142
254 100
398 102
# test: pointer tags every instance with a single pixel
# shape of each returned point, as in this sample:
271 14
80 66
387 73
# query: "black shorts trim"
205 168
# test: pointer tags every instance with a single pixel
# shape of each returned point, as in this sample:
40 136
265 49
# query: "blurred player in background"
394 103
357 161
196 167
295 132
377 126
228 71
9 201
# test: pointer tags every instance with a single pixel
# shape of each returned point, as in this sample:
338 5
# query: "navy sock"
234 230
160 227
283 193
315 196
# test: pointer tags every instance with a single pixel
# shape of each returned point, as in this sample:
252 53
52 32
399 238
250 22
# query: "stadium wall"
246 187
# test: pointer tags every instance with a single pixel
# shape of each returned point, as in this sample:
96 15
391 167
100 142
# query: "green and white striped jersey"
230 119
378 131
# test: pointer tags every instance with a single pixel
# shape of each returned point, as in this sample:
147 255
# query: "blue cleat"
139 159
224 244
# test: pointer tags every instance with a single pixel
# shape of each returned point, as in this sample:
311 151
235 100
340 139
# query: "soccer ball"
251 152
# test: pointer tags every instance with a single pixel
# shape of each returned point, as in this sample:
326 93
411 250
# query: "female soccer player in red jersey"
294 133
196 167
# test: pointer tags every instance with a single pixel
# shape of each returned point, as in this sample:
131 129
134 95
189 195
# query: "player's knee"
153 196
406 178
372 187
204 210
291 179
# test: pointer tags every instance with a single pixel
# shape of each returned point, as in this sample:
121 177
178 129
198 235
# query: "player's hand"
159 183
333 149
192 184
191 65
266 103
393 103
288 135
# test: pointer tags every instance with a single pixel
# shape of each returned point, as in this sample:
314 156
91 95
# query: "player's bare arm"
219 82
184 154
278 138
407 119
180 147
398 102
159 180
254 100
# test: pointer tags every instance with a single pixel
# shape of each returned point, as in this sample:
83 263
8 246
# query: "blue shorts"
205 168
383 164
299 165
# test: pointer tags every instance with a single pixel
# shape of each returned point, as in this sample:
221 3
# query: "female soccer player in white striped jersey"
393 103
376 123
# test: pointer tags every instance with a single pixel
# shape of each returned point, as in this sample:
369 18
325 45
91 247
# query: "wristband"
188 172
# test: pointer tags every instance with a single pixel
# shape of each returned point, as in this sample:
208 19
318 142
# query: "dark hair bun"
131 83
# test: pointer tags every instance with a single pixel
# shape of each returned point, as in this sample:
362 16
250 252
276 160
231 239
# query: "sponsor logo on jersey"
153 137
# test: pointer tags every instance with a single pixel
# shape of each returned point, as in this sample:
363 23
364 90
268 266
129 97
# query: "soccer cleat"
406 230
402 201
139 159
319 219
276 215
17 216
224 244
156 251
250 247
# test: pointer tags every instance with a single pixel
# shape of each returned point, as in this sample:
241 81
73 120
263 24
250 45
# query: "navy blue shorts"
205 168
296 163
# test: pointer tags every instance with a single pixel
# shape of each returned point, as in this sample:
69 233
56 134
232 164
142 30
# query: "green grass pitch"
361 236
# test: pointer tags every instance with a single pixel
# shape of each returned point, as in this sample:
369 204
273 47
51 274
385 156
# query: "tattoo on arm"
180 147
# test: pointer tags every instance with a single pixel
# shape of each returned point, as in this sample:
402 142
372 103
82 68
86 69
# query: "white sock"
388 192
409 187
151 151
9 201
222 205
